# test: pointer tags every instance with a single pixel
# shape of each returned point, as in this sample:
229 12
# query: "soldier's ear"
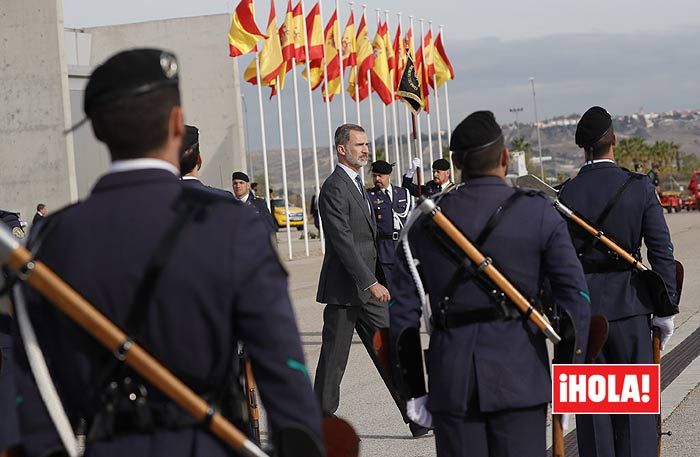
614 140
505 158
455 161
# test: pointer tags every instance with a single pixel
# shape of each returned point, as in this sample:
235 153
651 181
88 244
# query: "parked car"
296 214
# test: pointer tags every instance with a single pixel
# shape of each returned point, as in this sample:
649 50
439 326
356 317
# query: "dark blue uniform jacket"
427 189
509 357
637 216
222 284
384 209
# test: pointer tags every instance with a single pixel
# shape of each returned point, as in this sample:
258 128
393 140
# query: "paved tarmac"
368 406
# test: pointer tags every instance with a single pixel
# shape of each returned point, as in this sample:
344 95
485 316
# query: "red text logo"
606 389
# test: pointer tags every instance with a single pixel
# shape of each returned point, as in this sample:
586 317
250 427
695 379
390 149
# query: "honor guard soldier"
9 428
241 190
441 178
191 163
185 273
488 370
623 205
391 207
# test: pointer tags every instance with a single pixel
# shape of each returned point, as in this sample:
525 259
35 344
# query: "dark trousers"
621 435
508 433
339 324
513 433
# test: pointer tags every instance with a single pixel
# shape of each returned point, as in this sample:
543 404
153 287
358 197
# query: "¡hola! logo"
606 389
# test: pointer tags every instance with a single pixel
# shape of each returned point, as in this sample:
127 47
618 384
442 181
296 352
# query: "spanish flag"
243 36
428 52
286 36
299 37
314 26
380 72
422 74
365 62
332 58
400 49
443 68
349 43
271 61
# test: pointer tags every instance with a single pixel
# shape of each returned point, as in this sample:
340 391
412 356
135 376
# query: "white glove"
415 163
665 324
417 411
566 419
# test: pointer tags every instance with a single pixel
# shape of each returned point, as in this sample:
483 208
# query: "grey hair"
342 133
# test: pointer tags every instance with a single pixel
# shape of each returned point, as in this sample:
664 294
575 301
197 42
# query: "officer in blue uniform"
9 428
488 369
441 178
187 273
241 191
391 207
191 163
624 206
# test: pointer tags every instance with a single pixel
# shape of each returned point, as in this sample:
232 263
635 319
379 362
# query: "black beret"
191 137
593 125
240 176
477 131
441 164
130 73
382 167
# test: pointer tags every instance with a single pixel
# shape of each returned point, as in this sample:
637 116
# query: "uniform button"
579 351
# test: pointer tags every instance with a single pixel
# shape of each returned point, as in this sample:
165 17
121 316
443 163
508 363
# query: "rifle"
85 315
663 305
485 266
251 397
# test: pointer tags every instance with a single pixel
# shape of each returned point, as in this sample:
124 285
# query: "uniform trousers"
621 435
339 324
508 433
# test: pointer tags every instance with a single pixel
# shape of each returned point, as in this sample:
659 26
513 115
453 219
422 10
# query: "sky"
504 19
621 54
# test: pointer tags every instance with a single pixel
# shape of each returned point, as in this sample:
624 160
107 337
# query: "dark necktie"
360 186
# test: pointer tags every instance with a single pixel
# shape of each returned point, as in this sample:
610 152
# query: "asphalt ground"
368 406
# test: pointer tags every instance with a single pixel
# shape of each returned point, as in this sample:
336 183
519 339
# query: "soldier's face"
356 152
441 176
381 181
240 187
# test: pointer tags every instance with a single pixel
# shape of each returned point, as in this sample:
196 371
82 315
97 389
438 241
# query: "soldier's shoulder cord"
439 196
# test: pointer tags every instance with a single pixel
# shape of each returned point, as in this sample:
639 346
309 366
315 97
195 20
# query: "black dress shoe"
418 430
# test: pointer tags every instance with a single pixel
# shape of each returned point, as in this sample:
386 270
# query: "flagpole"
437 107
427 111
357 86
447 109
417 129
369 94
328 101
313 129
284 170
407 117
393 108
386 129
342 69
262 131
299 149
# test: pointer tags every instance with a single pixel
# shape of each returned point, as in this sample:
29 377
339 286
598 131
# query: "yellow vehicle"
296 215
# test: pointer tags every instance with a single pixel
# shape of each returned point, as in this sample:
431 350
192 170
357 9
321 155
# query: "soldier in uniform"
488 369
624 206
441 178
188 274
391 207
191 163
241 190
9 428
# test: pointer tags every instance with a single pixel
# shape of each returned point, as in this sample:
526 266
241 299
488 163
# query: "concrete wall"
36 158
209 82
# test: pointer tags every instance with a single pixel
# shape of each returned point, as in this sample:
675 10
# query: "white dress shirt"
119 166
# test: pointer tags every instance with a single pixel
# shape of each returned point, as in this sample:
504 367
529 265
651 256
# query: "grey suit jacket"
350 262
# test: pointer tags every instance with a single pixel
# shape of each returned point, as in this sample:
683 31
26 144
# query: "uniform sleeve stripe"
585 295
296 365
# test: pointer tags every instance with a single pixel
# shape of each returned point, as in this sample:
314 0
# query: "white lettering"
596 388
630 389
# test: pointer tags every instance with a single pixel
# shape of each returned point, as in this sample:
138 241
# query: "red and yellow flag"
286 37
333 59
443 68
349 43
243 36
380 72
314 29
365 62
422 75
271 60
428 52
399 56
299 37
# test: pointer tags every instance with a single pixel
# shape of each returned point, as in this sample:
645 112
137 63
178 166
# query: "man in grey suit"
351 277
